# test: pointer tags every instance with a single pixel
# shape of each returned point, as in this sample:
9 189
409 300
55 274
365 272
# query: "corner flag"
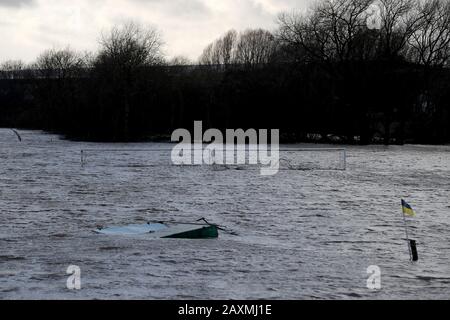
407 209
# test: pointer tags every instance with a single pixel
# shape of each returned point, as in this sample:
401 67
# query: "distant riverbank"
284 139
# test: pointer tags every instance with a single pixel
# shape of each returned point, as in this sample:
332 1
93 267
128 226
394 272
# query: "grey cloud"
15 3
190 7
181 7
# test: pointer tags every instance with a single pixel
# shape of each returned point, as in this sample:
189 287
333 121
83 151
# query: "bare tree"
430 43
343 20
60 64
296 34
180 61
399 20
221 51
328 31
121 67
206 57
12 69
250 47
226 47
131 45
255 47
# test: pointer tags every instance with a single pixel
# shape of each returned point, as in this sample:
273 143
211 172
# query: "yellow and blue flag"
407 209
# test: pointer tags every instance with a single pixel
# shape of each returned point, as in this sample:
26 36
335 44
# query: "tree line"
345 71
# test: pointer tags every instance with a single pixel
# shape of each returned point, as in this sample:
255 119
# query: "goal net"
289 159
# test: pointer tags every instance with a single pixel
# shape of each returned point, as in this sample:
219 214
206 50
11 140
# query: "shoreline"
166 138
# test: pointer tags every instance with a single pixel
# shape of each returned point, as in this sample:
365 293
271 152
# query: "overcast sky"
27 27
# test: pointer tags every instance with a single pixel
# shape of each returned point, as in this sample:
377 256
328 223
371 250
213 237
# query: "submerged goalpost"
294 159
314 159
289 158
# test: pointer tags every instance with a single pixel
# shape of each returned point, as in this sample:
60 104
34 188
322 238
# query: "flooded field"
302 234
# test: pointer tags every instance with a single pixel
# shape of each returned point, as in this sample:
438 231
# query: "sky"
28 27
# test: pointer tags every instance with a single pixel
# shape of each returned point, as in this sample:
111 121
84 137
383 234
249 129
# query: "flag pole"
407 235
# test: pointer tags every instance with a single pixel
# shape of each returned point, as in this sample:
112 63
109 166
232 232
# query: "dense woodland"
346 71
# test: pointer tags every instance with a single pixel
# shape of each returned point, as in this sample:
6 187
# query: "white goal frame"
343 156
